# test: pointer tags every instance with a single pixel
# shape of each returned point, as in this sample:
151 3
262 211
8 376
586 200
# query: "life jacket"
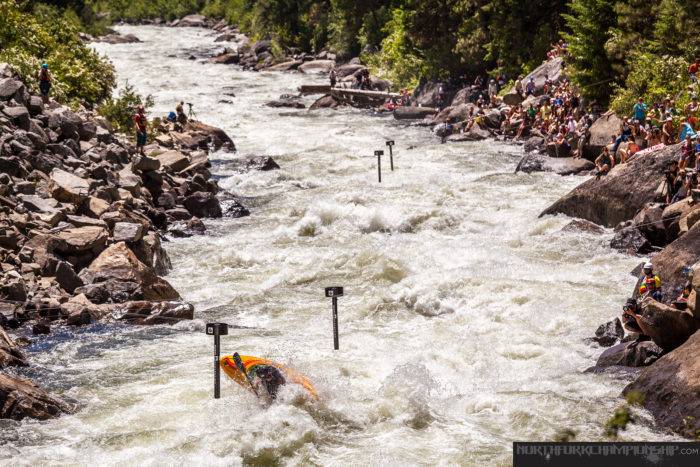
650 284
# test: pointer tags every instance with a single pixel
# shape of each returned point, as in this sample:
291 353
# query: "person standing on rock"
180 112
639 111
141 123
333 77
45 81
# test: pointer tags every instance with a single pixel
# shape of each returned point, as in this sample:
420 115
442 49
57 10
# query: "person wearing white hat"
651 283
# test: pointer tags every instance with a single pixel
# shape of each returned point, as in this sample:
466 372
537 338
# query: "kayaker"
267 378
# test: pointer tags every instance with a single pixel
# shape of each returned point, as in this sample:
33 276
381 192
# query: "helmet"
45 66
648 266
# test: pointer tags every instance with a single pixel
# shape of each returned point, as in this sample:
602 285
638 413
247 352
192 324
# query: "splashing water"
462 326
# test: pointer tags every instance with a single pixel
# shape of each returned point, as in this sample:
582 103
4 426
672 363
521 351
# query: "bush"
27 39
653 78
119 112
397 60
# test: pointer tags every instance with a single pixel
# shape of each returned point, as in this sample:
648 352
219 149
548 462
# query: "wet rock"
225 58
118 263
192 21
142 312
317 66
41 327
535 162
413 113
618 196
609 333
628 239
325 102
476 133
10 354
20 399
671 386
116 38
632 354
203 204
215 137
151 253
291 103
580 225
286 66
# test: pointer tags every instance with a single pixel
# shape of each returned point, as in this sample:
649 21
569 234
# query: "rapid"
462 326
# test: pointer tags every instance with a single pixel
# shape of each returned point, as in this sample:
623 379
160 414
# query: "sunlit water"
462 328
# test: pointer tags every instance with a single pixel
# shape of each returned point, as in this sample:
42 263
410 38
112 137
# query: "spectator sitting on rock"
604 162
668 131
181 117
625 133
562 145
518 86
651 283
691 111
628 152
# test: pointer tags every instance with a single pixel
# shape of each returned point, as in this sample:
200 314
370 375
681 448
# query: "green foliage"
397 60
618 422
119 112
29 38
133 10
653 79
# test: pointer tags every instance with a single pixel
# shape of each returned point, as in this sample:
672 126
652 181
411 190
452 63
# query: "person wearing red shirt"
141 123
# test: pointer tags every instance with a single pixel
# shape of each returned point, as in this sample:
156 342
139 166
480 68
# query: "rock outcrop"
671 388
618 196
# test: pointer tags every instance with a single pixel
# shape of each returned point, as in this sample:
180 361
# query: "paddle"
239 364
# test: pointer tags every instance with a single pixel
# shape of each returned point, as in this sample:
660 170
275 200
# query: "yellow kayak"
229 367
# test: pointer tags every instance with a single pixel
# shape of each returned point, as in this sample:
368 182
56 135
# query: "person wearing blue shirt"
686 129
640 110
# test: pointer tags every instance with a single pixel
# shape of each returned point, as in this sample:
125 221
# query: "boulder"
535 162
413 113
9 88
225 58
10 354
619 195
286 66
20 398
261 46
513 98
145 163
426 94
476 133
349 69
317 66
580 225
681 253
19 115
632 354
127 232
118 263
628 239
67 187
326 102
192 21
673 214
216 137
609 333
143 312
173 160
671 388
116 38
600 133
667 326
552 69
286 103
203 204
81 239
151 253
66 277
649 222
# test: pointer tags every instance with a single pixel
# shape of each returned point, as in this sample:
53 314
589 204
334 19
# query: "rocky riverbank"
82 220
627 199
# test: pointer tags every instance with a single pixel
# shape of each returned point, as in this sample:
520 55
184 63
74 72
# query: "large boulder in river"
216 137
632 354
10 354
119 264
619 195
203 204
317 66
20 399
192 21
671 388
536 162
413 113
427 94
600 134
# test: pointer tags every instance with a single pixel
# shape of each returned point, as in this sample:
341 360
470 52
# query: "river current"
462 326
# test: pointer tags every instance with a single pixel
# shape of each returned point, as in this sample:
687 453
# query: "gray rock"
127 232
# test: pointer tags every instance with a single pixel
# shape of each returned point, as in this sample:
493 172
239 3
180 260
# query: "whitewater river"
462 327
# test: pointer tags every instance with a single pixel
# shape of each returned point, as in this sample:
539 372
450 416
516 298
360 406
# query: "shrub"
653 78
119 112
27 39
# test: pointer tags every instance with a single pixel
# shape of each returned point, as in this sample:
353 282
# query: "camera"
334 292
213 327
